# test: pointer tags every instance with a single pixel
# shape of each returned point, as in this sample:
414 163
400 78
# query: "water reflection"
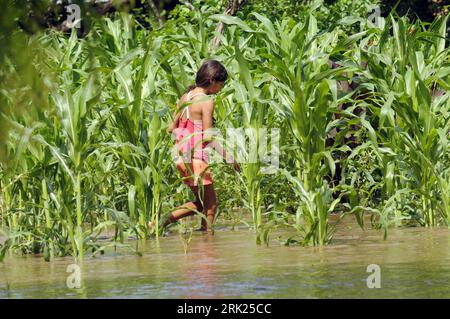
201 272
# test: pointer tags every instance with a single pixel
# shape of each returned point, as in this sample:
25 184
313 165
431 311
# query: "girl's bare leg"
188 209
209 206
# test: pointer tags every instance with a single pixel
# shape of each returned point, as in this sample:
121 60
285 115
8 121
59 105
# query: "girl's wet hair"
211 70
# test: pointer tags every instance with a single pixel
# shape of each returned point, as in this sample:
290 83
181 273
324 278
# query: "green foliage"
87 152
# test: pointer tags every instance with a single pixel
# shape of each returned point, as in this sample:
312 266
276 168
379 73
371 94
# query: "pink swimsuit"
193 160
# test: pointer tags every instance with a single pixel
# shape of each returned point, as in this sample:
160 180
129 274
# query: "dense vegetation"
363 112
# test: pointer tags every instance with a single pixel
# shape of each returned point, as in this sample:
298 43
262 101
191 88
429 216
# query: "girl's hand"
174 124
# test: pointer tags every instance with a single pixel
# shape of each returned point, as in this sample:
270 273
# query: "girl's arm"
207 115
207 123
176 116
173 125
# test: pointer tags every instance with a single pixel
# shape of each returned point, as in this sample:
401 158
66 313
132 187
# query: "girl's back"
195 106
190 125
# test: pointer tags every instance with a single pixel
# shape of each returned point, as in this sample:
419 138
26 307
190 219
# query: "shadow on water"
414 263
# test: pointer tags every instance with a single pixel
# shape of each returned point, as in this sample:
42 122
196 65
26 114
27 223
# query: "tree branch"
188 4
156 13
232 8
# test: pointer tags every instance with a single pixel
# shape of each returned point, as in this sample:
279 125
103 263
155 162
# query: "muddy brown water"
414 263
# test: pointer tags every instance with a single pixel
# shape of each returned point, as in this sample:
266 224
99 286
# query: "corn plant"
307 96
89 152
410 75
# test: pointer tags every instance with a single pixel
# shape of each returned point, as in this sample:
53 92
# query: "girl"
189 126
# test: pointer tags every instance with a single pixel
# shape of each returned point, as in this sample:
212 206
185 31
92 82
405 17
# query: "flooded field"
414 263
